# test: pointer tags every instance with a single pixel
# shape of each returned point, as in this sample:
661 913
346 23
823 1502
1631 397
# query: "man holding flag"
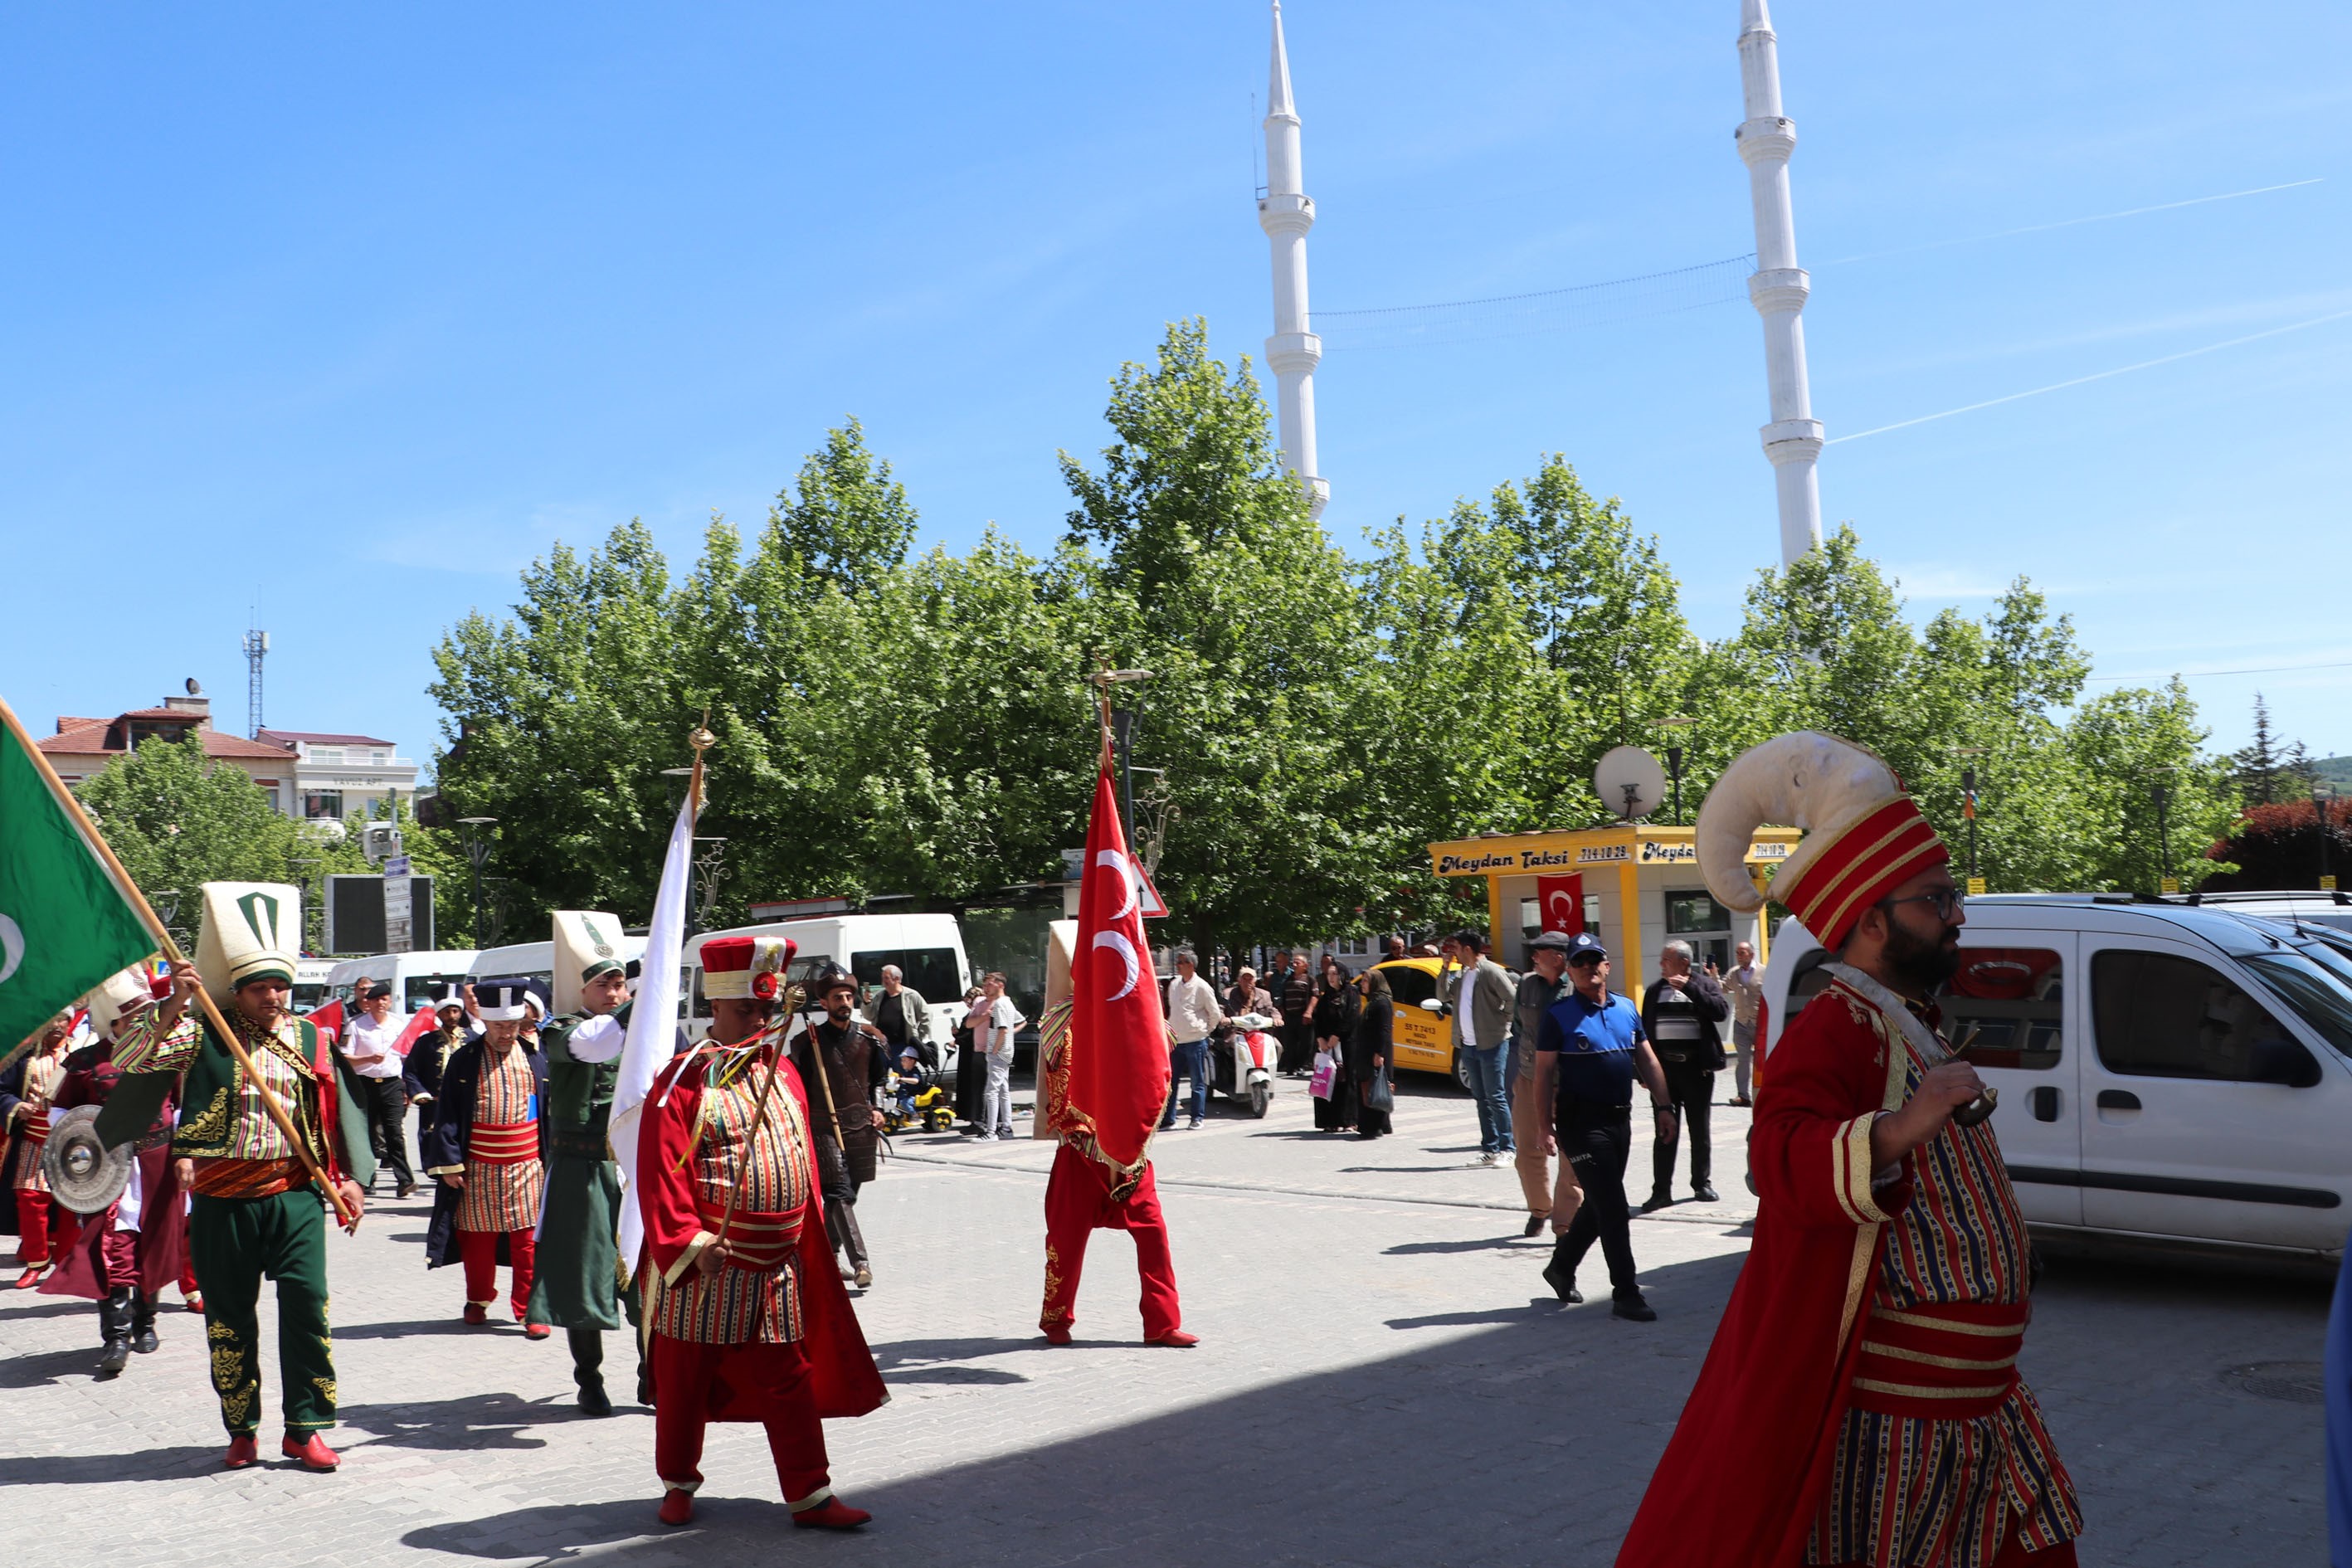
1104 1059
722 1220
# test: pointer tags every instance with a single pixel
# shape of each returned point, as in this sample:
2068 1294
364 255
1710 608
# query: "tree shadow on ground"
473 1421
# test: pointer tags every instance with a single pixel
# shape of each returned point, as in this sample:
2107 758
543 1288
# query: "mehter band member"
749 1320
847 1122
1862 1401
1084 1193
130 1250
490 1149
44 1229
257 1211
576 1284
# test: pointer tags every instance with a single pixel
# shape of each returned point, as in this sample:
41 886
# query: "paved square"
1383 1380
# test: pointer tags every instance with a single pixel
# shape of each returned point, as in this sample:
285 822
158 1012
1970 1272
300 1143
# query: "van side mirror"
1431 1005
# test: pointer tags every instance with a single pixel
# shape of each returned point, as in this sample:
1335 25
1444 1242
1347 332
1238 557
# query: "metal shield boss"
84 1174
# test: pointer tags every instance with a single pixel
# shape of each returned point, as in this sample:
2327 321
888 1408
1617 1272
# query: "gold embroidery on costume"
210 1125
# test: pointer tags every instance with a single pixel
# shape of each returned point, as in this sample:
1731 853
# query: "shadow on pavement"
49 1366
552 1533
941 1361
475 1421
452 1324
141 1464
1513 1242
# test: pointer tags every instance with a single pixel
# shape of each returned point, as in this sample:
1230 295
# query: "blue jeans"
1494 1112
1188 1058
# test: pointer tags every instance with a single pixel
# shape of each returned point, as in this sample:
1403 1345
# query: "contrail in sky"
2071 222
2099 375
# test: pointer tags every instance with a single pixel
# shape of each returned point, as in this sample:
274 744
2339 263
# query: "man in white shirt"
991 1035
372 1043
1193 1014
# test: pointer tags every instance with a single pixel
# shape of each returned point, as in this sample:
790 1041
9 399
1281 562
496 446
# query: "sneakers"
1489 1159
1194 1125
677 1507
1704 1194
1633 1309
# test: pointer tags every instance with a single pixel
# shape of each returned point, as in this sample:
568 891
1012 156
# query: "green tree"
1215 577
176 820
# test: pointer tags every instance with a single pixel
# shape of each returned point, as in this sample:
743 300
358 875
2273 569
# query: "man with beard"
257 1211
489 1153
746 1319
848 1125
1874 1330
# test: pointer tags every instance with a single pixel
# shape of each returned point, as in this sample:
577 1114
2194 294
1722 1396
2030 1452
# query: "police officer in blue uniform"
1589 1050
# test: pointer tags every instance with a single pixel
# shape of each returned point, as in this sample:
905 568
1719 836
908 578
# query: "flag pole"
171 950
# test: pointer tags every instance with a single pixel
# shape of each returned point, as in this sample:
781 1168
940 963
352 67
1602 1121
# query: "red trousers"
478 1251
695 1385
45 1227
1077 1204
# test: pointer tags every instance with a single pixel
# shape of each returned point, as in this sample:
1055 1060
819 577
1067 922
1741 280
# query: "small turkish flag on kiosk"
1118 1038
1561 900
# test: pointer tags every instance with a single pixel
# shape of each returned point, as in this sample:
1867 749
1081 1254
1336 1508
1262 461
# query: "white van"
536 960
2312 907
928 950
2167 1074
416 977
311 991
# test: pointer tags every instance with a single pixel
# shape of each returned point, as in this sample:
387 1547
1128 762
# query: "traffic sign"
1976 887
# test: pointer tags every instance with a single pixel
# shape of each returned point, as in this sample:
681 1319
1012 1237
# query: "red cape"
1745 1472
842 1371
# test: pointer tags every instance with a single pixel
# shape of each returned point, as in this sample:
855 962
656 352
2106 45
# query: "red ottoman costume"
489 1133
1103 1065
1860 1403
45 1227
770 1336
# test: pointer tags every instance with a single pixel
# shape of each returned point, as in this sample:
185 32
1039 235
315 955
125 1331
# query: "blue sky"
353 314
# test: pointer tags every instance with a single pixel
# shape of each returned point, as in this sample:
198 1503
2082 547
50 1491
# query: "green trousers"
234 1243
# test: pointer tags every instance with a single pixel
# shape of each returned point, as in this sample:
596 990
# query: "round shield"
84 1174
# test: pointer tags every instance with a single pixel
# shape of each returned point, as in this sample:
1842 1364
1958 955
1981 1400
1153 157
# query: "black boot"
114 1313
588 1369
142 1324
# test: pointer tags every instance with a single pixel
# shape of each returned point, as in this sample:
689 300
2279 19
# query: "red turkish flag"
1561 902
329 1018
1119 1039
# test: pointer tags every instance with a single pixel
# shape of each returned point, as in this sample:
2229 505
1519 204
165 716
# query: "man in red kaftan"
1862 1401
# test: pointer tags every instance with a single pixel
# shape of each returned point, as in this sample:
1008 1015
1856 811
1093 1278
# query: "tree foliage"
922 724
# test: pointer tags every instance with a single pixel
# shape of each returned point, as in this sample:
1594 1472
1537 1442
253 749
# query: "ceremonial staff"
349 1218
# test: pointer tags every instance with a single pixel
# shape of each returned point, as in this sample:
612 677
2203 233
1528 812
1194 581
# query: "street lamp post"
477 853
1674 758
1969 805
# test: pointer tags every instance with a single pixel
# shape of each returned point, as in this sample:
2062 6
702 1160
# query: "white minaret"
1286 212
1793 440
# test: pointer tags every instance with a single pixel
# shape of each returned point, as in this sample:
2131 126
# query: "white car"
2168 1074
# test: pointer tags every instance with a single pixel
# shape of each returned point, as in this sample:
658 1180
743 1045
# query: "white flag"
652 1023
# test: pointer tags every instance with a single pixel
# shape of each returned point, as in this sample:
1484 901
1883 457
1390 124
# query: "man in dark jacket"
1683 1015
421 1069
848 1123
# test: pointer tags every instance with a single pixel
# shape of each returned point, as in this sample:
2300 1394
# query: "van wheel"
1261 1096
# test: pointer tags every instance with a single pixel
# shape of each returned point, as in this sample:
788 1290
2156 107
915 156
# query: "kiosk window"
2156 1015
2006 1006
1695 914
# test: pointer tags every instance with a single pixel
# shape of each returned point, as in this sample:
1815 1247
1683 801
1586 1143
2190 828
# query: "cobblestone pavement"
1383 1381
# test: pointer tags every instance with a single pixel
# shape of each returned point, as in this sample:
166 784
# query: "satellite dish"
1629 782
193 689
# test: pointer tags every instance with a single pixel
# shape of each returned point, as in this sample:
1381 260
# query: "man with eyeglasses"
1589 1050
1877 1321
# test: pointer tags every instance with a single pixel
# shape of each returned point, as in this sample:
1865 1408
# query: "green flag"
64 925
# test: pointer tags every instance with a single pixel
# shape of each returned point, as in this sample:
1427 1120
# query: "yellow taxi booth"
1636 886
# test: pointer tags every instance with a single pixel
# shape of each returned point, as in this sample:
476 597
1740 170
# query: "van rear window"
2006 1006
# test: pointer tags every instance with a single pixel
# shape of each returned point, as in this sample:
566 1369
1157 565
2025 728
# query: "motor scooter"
1243 1056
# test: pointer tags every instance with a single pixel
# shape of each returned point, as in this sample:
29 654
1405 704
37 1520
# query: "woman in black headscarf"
1337 1003
1369 1050
971 1068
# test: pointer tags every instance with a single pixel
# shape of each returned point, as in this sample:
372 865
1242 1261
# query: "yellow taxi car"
1422 1040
